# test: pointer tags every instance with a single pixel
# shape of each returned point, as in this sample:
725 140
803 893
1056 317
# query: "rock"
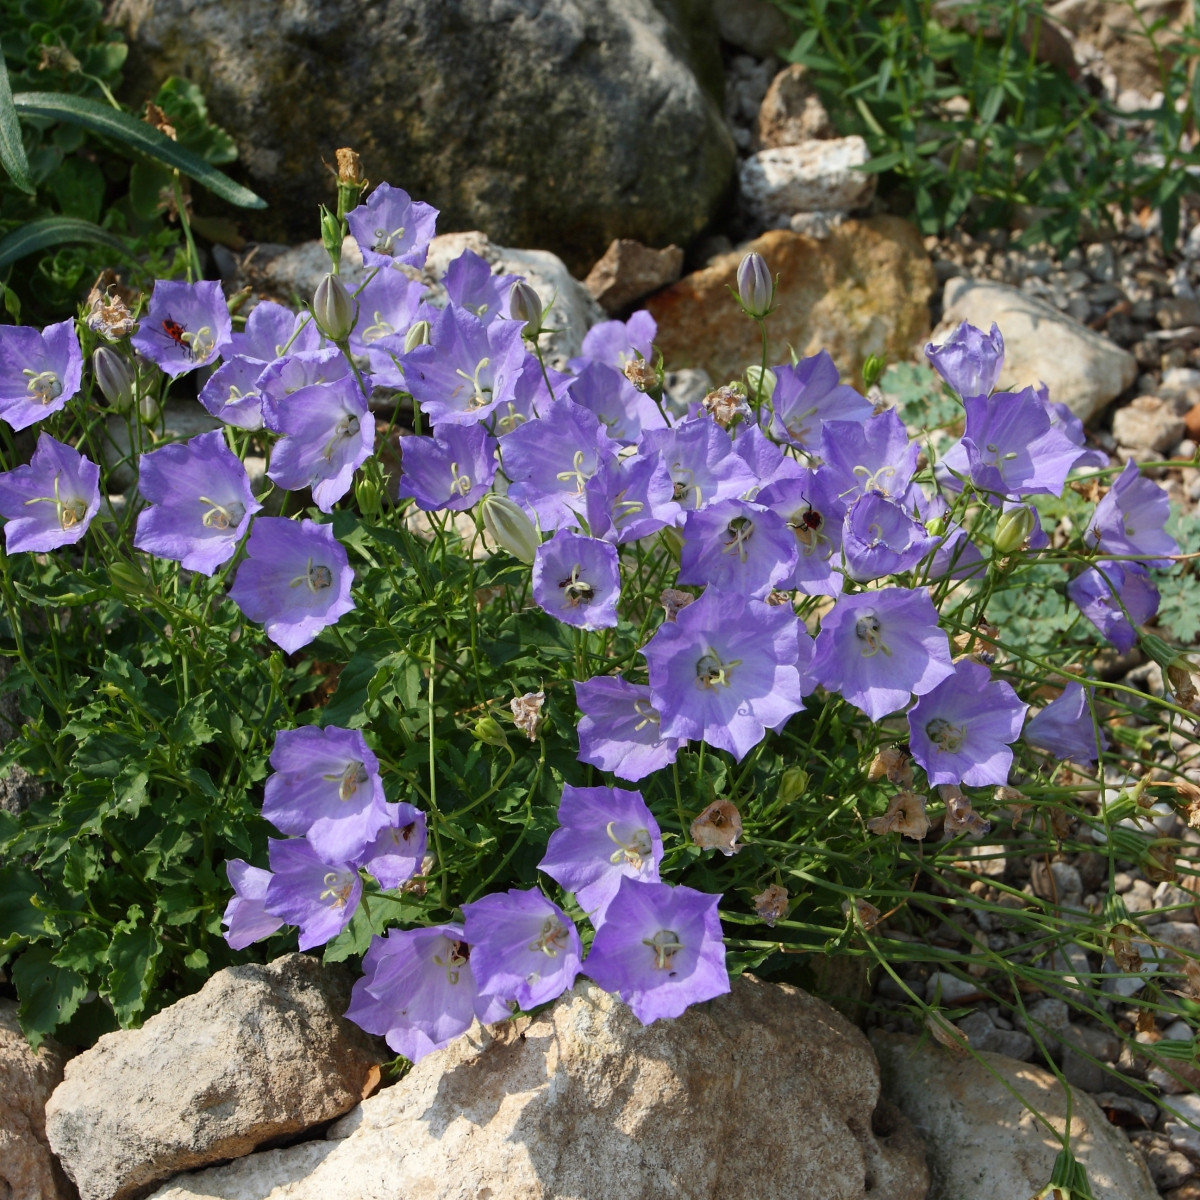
1169 1168
1058 882
1148 423
763 1085
948 989
863 290
1082 369
260 1052
791 111
561 123
1180 904
28 1170
628 271
1179 1111
1181 934
756 26
816 176
983 1144
1046 1021
1085 1048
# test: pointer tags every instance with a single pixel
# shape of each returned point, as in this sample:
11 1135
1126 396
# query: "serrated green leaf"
83 951
18 915
132 955
54 231
137 136
12 149
48 995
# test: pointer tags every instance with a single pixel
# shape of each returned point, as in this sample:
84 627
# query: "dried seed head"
861 911
905 815
718 827
726 404
527 713
771 903
892 762
673 601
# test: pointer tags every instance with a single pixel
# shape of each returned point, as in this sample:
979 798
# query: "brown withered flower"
905 815
674 601
771 903
718 827
527 713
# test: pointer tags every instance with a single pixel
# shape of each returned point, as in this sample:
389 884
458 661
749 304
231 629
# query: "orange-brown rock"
863 290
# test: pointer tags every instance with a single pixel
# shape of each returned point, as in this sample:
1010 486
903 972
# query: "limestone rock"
556 123
982 1144
756 26
1082 369
862 290
1117 32
27 1168
819 175
260 1052
792 112
1148 423
628 271
765 1092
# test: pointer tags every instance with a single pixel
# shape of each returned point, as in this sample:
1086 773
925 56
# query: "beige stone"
791 111
764 1093
863 290
818 175
628 271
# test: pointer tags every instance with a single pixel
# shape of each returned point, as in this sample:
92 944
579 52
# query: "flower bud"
507 525
767 388
1013 529
756 289
114 377
334 309
369 496
488 730
793 785
129 578
873 369
524 304
417 335
333 231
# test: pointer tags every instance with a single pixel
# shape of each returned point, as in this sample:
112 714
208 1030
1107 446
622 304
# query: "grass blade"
53 231
12 151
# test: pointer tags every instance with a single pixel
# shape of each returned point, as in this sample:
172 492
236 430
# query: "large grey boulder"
763 1093
560 124
259 1053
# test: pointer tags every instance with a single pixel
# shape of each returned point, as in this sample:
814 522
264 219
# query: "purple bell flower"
200 502
879 648
392 228
814 512
470 283
246 920
624 412
1131 520
283 378
50 500
807 396
186 326
604 835
1064 727
879 538
398 851
40 370
969 360
727 669
1106 592
659 949
449 471
703 463
630 498
961 731
274 331
295 580
523 946
578 580
619 729
307 891
232 393
616 343
737 546
874 455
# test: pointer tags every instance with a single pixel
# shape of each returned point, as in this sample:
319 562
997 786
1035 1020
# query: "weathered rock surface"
982 1144
554 123
28 1170
260 1052
791 111
628 271
763 1093
1082 368
1118 33
820 175
755 26
862 290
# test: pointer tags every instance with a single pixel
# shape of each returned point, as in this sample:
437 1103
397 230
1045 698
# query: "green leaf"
133 954
18 915
137 136
53 231
48 994
12 149
84 950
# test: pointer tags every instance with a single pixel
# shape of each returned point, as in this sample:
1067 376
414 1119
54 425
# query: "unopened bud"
129 578
488 730
1013 529
333 231
756 288
417 335
114 376
507 524
524 304
873 369
368 495
793 784
334 309
764 390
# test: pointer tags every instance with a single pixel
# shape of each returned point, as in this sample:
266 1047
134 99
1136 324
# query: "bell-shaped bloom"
283 378
551 459
578 580
807 396
727 669
969 360
274 331
246 919
418 991
466 370
659 949
532 393
325 785
879 538
871 455
40 370
616 343
328 433
294 581
200 502
604 835
307 891
451 470
814 512
629 498
625 412
1065 727
1131 520
398 850
392 228
619 730
703 463
232 393
962 730
186 326
471 284
50 500
737 546
1115 597
879 648
523 946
